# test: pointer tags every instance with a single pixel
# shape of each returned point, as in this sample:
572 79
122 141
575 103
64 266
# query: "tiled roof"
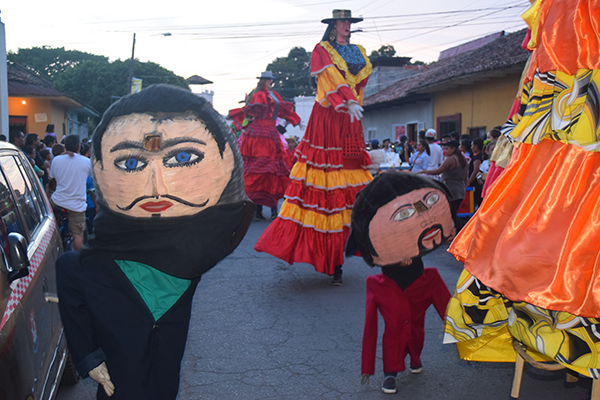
197 80
16 89
503 53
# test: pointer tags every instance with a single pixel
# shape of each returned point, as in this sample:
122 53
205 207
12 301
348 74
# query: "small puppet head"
398 216
165 152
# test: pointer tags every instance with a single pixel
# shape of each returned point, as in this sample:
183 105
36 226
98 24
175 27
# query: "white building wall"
303 107
381 123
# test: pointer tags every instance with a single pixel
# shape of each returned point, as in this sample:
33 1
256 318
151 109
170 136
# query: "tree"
384 51
48 61
293 74
97 83
88 77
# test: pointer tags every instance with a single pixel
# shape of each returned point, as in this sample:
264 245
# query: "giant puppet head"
399 216
169 181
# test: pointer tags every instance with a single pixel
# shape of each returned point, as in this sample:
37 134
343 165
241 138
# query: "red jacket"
404 314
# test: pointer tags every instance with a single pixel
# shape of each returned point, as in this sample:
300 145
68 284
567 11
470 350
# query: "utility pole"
130 79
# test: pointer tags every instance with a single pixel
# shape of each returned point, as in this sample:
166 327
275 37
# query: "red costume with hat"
314 221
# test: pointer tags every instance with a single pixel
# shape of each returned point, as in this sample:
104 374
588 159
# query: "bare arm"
476 165
448 163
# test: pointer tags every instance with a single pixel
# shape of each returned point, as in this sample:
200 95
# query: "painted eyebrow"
128 144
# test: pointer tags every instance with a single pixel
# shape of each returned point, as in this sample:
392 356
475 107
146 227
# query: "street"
263 329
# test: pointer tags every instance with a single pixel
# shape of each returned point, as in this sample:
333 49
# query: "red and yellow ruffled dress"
314 220
532 251
266 173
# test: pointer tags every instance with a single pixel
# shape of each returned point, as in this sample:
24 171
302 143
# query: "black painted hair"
161 101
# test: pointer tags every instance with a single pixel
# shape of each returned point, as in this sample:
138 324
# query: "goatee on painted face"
167 167
410 225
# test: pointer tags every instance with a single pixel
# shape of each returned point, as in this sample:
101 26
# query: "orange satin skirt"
536 236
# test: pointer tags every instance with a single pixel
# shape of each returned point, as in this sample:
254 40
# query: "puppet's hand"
364 379
355 112
406 262
100 375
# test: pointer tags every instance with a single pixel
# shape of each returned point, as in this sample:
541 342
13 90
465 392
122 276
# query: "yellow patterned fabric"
311 219
483 323
561 107
330 179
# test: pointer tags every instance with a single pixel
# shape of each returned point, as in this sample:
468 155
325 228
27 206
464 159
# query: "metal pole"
130 79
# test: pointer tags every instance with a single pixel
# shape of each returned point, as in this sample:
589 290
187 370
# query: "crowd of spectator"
64 173
460 161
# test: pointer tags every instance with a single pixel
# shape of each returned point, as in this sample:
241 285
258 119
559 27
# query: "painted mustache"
168 196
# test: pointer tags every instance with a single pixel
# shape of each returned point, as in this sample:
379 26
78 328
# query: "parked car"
33 350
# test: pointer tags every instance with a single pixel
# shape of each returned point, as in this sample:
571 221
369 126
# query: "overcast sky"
231 41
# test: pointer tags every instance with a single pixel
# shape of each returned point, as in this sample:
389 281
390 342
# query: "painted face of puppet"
169 167
342 29
410 225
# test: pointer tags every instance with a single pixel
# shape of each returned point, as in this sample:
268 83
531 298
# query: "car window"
9 218
25 198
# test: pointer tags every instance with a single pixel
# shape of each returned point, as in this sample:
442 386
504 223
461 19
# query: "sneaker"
260 216
416 370
273 214
337 279
389 385
337 276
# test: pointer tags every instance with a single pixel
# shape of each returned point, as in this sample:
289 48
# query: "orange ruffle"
565 36
535 237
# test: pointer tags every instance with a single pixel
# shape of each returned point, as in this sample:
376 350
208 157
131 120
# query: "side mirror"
19 262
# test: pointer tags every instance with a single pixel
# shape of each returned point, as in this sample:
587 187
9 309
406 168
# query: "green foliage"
293 74
97 83
90 78
384 51
48 61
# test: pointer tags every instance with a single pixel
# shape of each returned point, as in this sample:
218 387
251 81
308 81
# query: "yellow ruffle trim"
321 179
311 219
532 19
331 79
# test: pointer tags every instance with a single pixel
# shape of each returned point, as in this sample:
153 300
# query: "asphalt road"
263 329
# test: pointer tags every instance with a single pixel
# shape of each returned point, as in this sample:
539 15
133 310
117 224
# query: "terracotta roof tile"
502 53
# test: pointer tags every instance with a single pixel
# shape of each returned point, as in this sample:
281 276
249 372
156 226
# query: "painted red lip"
156 206
431 234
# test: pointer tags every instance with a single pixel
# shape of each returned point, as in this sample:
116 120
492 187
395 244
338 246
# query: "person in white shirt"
70 170
436 158
377 156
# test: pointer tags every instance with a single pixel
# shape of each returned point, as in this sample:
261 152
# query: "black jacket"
106 319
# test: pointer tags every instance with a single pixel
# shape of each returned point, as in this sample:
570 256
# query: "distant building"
303 107
206 93
470 89
387 71
33 104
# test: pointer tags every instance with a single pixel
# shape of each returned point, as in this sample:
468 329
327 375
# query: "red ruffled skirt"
314 221
266 173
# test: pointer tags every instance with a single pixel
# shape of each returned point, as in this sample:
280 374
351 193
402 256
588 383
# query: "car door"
31 320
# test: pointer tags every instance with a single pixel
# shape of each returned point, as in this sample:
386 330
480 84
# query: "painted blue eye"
130 164
182 158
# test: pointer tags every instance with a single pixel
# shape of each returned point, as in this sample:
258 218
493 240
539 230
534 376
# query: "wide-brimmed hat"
341 15
266 75
451 143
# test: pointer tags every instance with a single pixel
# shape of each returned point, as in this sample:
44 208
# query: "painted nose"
155 185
